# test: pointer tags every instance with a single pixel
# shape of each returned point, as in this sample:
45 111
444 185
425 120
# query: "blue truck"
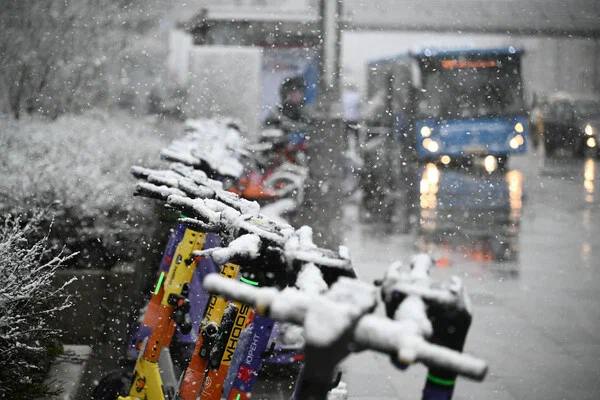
452 105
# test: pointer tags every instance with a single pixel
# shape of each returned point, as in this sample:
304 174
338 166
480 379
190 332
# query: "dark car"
570 122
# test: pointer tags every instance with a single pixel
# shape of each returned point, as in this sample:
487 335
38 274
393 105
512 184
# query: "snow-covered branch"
28 298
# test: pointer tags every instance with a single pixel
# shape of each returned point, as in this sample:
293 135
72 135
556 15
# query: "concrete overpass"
571 18
520 17
561 37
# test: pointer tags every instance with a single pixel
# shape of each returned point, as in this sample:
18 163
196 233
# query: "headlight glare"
516 142
591 142
519 128
431 145
589 130
490 163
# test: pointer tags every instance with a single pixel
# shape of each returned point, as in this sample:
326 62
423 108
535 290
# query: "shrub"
65 56
80 165
27 300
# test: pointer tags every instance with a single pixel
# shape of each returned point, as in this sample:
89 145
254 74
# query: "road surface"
536 314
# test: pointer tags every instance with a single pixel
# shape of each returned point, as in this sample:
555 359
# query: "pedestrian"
291 114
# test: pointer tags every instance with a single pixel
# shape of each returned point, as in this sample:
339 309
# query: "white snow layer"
211 142
360 295
242 205
215 206
390 336
157 191
198 206
340 392
331 315
310 280
198 176
416 282
244 246
301 247
291 335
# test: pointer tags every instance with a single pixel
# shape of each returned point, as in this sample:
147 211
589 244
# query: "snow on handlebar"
212 145
155 191
416 283
209 208
247 246
196 184
368 331
418 290
298 247
398 338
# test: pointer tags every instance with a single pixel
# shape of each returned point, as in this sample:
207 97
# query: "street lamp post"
330 48
327 141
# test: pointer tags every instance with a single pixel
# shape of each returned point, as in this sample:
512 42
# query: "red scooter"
275 168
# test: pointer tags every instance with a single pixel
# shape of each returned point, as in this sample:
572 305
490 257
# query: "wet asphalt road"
536 314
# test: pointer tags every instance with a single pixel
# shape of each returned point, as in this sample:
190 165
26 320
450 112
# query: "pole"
330 49
323 196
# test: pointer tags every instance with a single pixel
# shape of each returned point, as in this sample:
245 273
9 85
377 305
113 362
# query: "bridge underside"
572 18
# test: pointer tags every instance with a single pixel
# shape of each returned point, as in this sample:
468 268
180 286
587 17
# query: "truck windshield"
464 91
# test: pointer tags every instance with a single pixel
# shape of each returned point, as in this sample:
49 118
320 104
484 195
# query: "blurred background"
467 129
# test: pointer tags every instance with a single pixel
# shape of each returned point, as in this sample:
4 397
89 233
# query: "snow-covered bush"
167 99
67 56
80 165
27 300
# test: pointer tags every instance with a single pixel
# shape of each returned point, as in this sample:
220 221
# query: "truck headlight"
591 142
431 145
490 163
589 130
519 128
425 131
516 141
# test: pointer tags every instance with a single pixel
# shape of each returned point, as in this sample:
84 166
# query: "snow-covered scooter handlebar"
368 332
